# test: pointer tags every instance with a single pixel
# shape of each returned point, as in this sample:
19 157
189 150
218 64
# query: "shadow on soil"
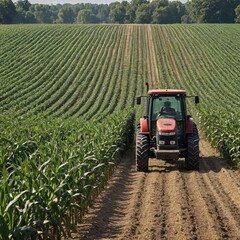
214 164
207 164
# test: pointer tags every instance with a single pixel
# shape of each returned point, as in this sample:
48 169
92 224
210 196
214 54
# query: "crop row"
82 70
52 169
222 132
68 73
53 77
91 71
191 61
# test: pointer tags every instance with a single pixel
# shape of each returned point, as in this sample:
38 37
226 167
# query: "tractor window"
168 106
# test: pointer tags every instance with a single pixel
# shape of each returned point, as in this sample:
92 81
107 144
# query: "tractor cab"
166 106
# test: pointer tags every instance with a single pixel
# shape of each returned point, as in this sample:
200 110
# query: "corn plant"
51 169
222 129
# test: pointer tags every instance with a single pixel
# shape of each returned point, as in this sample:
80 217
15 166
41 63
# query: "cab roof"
166 92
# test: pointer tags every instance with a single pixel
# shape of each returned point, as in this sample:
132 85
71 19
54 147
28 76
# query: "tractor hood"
166 125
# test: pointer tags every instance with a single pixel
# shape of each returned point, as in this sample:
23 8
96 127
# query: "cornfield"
67 108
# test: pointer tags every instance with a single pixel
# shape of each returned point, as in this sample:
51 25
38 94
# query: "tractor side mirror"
196 99
138 100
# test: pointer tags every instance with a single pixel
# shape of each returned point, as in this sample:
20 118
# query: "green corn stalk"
54 169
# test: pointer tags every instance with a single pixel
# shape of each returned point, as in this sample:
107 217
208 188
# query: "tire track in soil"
149 210
129 30
220 211
168 202
170 54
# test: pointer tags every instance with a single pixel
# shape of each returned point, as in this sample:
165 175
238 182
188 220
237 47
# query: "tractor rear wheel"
192 156
142 152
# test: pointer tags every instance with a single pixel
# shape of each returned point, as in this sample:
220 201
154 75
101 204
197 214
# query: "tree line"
135 11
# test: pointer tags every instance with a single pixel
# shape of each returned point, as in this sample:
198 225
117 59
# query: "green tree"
23 5
66 14
144 13
42 13
132 8
7 11
137 3
159 3
176 11
160 12
194 11
168 12
229 13
237 11
103 13
117 13
24 15
187 17
160 15
213 11
83 16
86 16
130 13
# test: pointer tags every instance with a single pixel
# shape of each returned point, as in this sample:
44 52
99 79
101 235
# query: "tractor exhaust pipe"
147 86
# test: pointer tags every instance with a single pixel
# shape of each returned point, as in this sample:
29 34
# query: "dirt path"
128 33
153 77
168 202
170 55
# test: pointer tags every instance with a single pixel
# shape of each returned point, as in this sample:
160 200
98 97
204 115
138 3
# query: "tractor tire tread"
192 158
142 152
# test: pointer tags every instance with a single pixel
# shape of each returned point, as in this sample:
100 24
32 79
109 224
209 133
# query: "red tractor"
167 132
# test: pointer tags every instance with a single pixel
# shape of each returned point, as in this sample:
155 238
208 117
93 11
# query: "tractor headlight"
161 142
172 142
167 133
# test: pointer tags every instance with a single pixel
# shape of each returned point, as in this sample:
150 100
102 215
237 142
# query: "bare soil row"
168 202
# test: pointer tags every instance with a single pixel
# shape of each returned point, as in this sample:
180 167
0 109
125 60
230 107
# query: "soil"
153 77
128 34
170 55
168 202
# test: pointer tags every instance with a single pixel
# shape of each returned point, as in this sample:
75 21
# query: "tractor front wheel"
192 156
142 146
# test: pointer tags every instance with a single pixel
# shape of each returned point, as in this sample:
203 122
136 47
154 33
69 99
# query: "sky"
54 2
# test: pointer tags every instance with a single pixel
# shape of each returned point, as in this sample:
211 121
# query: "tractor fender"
189 125
144 126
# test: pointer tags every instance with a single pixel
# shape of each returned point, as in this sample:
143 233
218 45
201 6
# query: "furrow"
224 215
